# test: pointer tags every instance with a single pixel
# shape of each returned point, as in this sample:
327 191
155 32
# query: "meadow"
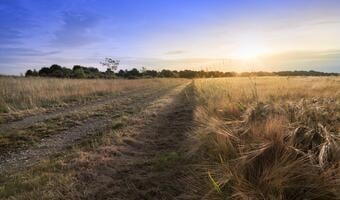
17 94
269 138
209 138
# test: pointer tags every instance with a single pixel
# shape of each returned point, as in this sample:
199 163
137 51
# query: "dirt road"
146 159
89 125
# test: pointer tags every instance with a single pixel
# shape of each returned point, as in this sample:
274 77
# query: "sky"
225 35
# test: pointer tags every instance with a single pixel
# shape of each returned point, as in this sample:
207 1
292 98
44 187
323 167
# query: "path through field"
146 159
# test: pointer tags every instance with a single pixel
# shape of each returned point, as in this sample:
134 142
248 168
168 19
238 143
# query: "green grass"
165 161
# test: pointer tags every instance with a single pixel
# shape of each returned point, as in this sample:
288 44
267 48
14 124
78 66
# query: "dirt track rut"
57 143
92 105
146 160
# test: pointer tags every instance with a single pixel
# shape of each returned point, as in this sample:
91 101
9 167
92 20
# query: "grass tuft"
268 138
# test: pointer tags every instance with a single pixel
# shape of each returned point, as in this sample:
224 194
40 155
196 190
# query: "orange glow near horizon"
250 50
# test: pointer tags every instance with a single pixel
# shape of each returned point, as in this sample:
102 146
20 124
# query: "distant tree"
134 72
75 67
121 73
111 63
68 73
90 72
150 73
35 73
54 71
229 74
187 74
45 71
93 70
166 73
79 73
55 67
109 73
29 73
143 70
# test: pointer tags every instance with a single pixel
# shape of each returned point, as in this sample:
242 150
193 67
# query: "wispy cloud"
176 52
306 55
15 52
76 30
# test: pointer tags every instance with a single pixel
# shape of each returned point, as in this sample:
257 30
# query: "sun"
248 52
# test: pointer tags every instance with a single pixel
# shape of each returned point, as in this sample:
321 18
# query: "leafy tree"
68 73
55 67
187 74
35 73
121 73
150 73
75 67
166 73
111 63
55 71
109 73
134 73
45 71
29 73
79 73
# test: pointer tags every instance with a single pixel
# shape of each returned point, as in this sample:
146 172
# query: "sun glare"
248 52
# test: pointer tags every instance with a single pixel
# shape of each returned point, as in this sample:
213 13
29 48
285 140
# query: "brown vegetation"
229 138
136 157
96 113
27 93
269 138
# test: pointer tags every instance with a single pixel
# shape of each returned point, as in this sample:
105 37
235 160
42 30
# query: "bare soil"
27 121
147 159
58 142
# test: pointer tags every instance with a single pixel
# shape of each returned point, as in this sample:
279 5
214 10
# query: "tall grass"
269 138
26 93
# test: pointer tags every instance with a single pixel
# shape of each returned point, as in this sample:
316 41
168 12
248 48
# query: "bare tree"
110 63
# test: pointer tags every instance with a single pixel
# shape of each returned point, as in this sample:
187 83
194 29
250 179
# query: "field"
219 138
270 138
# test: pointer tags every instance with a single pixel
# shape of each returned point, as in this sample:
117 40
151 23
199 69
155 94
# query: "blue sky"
244 35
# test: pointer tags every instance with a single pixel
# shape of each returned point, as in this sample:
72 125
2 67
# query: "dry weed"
269 138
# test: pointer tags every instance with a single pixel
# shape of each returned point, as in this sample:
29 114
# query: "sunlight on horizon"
248 52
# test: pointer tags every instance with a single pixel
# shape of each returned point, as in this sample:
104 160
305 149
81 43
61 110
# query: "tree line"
79 71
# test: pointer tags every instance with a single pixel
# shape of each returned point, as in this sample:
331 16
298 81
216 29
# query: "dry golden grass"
68 175
27 93
257 138
21 95
269 138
